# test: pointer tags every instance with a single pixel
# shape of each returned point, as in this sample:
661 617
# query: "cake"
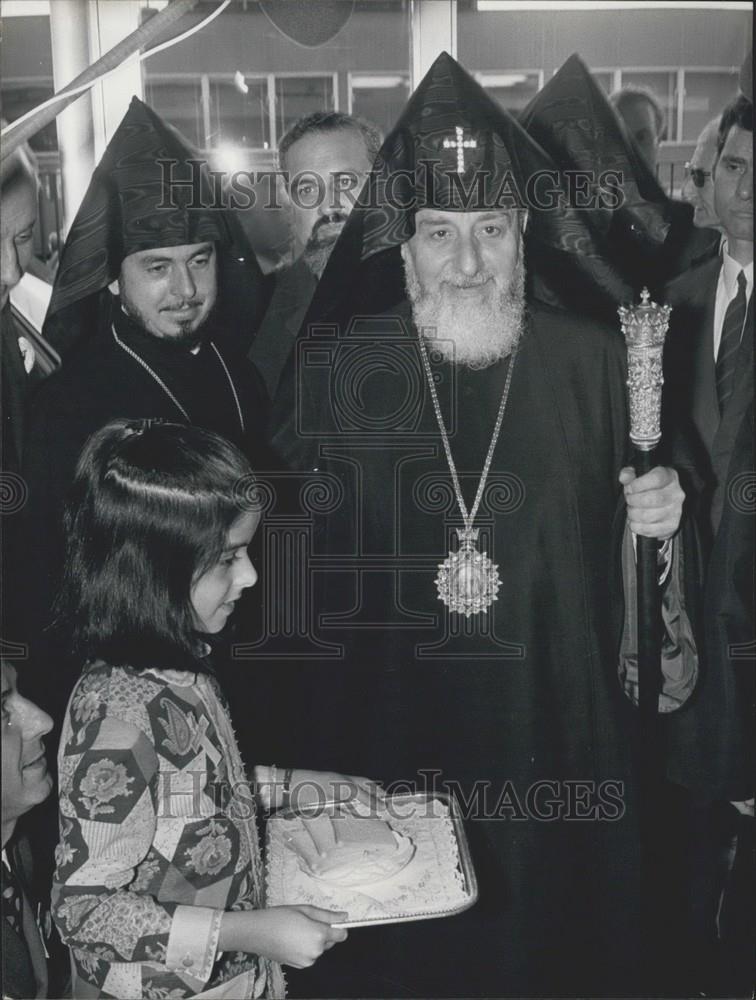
347 849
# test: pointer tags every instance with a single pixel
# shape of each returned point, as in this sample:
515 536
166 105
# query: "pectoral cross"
460 144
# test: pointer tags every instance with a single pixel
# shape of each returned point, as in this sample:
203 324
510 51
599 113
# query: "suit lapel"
14 380
742 396
24 950
705 405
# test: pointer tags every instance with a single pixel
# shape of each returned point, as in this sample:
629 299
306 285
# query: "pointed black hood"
130 205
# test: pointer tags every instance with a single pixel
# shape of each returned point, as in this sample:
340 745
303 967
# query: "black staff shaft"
649 611
650 750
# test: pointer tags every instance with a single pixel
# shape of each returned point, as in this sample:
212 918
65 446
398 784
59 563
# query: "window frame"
480 75
352 75
205 79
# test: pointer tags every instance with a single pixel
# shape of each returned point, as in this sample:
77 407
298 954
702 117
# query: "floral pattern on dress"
213 852
65 852
183 733
104 781
89 699
154 991
163 993
124 876
148 871
89 964
74 909
231 965
154 953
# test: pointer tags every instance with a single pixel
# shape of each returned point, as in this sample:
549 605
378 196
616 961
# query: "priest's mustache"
334 219
184 304
457 280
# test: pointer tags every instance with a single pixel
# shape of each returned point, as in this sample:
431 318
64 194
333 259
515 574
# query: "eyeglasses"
697 175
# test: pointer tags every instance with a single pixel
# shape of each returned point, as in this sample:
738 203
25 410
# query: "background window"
604 78
301 95
512 90
705 96
180 103
663 85
238 112
379 97
18 98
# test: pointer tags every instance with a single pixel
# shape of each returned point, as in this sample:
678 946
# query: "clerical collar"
730 271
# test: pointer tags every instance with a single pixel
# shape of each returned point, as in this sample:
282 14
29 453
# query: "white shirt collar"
730 271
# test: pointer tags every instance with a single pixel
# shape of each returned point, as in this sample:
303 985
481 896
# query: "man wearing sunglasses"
698 189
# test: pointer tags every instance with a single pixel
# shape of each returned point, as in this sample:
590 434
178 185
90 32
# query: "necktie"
12 899
732 329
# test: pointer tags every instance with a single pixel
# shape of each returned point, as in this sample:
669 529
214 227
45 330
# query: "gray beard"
476 335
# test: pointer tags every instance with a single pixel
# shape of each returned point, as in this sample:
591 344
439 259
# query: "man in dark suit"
26 783
709 419
19 214
19 368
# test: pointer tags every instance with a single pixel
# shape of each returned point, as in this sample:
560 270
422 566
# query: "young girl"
158 887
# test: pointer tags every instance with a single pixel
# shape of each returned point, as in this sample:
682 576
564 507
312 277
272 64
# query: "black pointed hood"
133 203
572 119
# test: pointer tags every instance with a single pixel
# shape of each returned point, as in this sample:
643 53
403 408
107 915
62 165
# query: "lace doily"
432 884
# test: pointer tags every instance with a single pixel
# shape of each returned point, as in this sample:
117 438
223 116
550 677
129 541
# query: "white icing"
429 882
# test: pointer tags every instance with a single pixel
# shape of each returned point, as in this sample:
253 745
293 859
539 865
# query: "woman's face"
214 594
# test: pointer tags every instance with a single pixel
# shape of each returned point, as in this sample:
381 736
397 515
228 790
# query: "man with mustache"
154 295
325 158
475 441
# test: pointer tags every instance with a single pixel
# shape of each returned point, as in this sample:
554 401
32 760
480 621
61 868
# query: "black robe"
99 382
274 340
515 709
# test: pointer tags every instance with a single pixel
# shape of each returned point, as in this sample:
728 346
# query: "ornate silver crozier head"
644 328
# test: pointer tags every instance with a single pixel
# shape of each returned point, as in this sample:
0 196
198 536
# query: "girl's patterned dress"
157 839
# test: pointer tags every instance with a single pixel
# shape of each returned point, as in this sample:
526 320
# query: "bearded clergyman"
476 444
156 296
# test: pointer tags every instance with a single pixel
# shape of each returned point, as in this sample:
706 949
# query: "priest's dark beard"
186 337
322 240
316 257
464 332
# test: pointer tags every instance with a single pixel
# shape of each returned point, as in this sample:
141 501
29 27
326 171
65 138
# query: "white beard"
475 334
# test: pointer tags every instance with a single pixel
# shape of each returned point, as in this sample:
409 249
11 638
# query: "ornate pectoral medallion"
467 581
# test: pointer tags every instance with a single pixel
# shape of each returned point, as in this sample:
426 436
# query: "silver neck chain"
469 518
140 360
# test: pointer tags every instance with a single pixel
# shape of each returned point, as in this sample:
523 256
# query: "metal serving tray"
419 886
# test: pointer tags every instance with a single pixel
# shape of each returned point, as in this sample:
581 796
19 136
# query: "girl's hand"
291 935
313 787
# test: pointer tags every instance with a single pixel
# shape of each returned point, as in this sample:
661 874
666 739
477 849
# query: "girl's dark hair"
148 512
